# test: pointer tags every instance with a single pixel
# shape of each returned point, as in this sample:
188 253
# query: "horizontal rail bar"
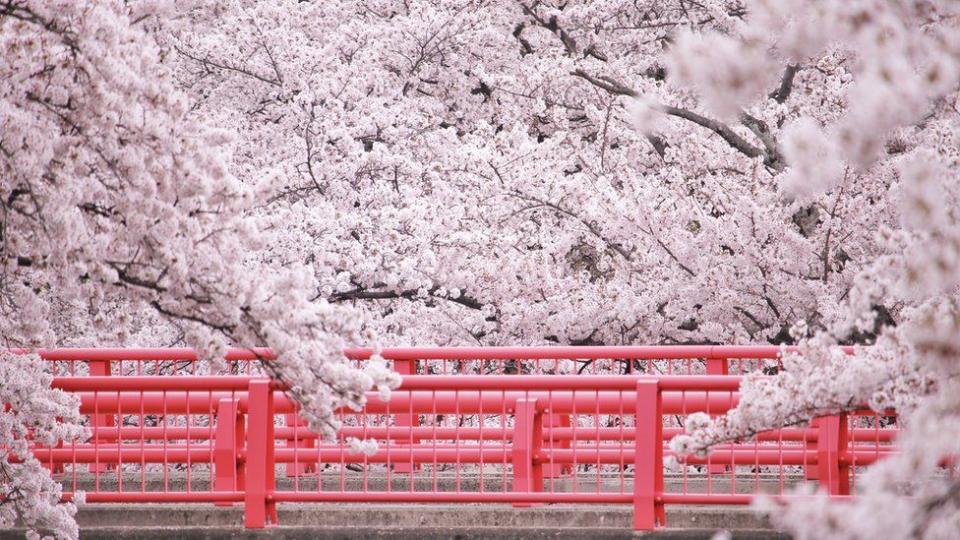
579 382
450 454
127 454
731 498
421 402
421 497
411 382
158 496
201 383
175 354
705 498
627 352
490 433
453 497
488 402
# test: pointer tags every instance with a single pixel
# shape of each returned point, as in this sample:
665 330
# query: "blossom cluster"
33 414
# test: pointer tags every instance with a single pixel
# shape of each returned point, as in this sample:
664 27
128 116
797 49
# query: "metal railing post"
834 471
648 510
527 442
227 468
406 420
100 368
259 507
717 366
812 472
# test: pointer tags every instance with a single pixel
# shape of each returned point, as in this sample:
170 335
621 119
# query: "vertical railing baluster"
260 508
527 442
100 368
834 470
648 511
407 419
228 472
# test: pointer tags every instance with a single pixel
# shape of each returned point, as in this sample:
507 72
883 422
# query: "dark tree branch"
615 246
721 129
606 83
226 329
659 145
210 63
525 47
552 25
786 84
365 293
771 156
673 256
753 318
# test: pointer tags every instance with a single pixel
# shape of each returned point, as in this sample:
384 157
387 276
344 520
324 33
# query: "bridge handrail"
249 450
631 352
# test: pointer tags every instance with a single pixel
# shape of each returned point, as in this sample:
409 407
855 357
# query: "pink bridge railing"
523 439
648 360
652 360
596 360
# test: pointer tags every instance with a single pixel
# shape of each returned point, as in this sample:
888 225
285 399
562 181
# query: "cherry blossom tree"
469 171
620 172
33 412
119 204
903 89
304 175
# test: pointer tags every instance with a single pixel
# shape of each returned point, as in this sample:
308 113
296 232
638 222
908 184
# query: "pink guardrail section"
521 426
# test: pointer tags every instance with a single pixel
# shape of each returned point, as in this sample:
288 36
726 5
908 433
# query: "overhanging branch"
770 153
375 293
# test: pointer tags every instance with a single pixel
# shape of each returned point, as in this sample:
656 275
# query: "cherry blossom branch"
364 293
615 246
782 92
721 129
208 63
771 154
772 157
552 25
605 82
933 504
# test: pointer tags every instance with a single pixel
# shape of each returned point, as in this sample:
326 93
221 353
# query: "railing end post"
833 470
260 509
406 419
527 442
648 510
227 471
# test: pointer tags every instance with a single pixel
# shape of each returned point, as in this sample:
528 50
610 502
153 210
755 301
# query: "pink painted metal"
650 360
228 474
447 435
103 369
833 469
260 507
527 442
407 419
296 439
717 366
648 511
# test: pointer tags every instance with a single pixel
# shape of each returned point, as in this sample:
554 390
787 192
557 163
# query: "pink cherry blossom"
311 175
